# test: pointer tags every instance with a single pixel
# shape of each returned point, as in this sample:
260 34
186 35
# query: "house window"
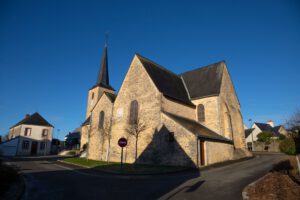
133 112
45 132
25 144
27 132
201 113
101 119
42 145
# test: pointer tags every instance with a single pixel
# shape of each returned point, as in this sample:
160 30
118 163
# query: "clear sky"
50 51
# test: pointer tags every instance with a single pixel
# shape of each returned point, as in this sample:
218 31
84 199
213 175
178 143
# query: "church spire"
103 72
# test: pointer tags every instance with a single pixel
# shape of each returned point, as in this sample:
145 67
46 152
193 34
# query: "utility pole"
252 144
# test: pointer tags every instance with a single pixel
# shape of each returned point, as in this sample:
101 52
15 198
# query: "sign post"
122 142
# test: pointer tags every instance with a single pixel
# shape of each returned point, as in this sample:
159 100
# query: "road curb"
245 190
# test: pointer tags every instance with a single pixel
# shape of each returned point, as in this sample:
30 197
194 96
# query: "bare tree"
294 121
135 129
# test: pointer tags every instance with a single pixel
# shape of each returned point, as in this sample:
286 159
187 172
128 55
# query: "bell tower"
102 84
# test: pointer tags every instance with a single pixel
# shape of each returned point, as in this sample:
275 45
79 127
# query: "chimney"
271 123
27 115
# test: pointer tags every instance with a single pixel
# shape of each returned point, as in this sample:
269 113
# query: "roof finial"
106 38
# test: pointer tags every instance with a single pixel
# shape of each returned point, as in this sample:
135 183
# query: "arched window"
92 95
201 113
133 112
101 119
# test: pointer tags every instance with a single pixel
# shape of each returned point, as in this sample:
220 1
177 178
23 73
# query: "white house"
256 128
30 136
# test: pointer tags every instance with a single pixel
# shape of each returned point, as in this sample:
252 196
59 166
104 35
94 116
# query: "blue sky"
50 51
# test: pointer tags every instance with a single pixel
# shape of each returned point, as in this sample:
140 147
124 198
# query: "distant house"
31 136
72 140
251 134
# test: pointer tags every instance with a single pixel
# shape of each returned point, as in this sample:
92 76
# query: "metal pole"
252 144
121 158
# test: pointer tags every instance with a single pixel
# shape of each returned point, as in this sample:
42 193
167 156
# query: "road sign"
122 142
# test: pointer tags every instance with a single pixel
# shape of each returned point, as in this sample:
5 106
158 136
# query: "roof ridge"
157 65
204 67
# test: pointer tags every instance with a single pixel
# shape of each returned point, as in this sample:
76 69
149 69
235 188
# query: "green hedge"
288 146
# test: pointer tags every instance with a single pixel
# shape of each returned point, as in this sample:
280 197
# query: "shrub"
265 137
288 146
281 137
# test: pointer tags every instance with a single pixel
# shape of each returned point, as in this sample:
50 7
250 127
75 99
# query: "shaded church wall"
98 136
218 152
212 119
177 108
165 150
184 149
137 85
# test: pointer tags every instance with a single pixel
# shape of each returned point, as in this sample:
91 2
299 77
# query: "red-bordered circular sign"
122 142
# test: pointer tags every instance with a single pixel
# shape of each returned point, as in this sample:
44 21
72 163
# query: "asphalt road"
48 179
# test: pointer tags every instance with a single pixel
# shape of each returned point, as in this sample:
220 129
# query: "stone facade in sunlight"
189 119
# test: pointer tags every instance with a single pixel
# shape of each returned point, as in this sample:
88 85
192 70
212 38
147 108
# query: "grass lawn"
127 168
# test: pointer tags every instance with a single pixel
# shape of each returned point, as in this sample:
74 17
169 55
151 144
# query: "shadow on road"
50 180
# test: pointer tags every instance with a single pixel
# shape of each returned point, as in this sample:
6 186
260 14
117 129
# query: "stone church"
188 119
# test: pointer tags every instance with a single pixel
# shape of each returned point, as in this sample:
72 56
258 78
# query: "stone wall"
178 108
212 119
181 151
97 148
137 85
218 152
229 105
84 136
97 91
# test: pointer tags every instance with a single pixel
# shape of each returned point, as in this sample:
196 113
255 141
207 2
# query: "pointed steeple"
103 72
103 78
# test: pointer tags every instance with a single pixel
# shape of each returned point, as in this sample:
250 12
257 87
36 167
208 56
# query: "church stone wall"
177 108
97 149
218 152
211 107
229 101
137 85
183 150
97 91
84 136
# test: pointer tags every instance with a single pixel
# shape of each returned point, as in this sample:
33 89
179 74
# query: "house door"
201 153
34 148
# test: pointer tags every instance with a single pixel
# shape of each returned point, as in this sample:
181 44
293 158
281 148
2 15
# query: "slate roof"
268 128
248 132
204 81
86 122
111 96
198 129
103 78
34 119
168 83
264 127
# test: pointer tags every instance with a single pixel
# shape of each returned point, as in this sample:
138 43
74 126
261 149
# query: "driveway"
49 179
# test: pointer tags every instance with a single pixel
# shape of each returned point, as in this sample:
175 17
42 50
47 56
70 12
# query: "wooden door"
202 153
